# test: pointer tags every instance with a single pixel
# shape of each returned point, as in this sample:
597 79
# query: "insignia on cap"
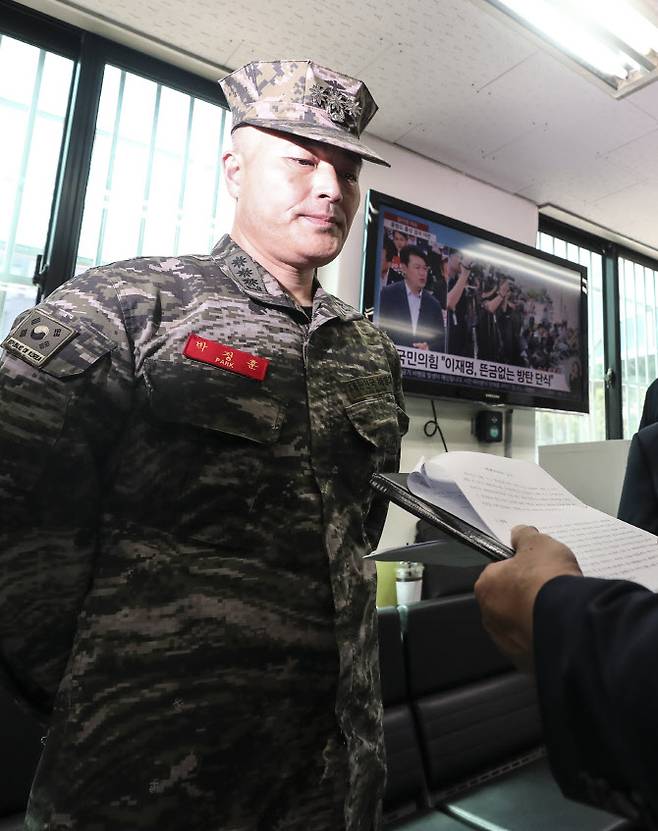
37 338
339 106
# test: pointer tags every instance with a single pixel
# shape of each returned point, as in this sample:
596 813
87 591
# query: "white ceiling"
454 82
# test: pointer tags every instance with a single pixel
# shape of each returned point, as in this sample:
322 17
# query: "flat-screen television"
475 315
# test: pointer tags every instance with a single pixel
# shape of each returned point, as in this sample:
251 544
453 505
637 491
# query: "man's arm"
638 504
433 321
56 422
595 646
591 644
650 407
374 521
455 293
506 591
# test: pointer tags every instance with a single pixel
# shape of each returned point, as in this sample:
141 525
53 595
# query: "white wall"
430 185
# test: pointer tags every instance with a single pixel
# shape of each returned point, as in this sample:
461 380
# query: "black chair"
405 800
473 709
20 740
479 727
14 823
527 797
406 790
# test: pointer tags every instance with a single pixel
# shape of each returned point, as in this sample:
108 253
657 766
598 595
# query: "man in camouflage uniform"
186 446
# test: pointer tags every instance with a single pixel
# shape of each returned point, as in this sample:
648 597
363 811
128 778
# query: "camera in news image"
488 426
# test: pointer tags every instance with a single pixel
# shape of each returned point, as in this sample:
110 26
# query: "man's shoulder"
377 337
648 437
393 289
145 270
145 279
393 295
125 292
429 299
395 276
352 314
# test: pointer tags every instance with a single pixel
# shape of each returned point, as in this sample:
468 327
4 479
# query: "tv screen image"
473 314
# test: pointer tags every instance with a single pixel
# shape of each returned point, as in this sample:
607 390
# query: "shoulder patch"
38 337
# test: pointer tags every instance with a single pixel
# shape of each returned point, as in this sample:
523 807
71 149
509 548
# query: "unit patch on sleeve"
368 386
37 338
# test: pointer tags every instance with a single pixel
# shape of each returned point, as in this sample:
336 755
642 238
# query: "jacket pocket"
213 400
379 421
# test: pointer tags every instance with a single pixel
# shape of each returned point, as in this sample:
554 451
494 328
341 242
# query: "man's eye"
306 162
351 177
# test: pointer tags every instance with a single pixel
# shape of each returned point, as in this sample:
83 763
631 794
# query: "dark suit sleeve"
650 408
394 316
387 305
431 319
639 496
597 678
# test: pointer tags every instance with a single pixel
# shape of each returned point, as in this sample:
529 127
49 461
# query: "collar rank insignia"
225 357
37 338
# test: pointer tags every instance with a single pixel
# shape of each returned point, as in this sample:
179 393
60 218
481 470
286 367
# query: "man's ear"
232 161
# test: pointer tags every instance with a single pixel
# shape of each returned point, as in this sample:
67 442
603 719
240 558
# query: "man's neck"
299 284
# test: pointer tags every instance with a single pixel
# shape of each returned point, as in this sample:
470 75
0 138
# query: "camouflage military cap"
304 99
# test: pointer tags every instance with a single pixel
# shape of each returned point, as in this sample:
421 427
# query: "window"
560 428
109 154
155 184
34 93
638 297
623 336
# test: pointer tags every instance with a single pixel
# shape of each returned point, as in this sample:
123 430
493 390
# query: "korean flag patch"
37 338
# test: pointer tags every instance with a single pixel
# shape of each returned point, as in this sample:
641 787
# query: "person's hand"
421 345
434 244
506 591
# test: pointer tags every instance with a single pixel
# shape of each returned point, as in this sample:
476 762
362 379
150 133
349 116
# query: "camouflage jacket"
182 588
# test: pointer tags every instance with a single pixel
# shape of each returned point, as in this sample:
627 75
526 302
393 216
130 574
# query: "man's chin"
322 254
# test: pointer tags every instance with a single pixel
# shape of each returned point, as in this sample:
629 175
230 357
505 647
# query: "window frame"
90 54
611 253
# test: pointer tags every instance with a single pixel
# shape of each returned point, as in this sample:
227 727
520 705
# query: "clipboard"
394 487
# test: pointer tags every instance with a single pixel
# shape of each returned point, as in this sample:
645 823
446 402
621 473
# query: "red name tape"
226 357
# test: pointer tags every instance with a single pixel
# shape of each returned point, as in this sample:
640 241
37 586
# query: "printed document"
494 494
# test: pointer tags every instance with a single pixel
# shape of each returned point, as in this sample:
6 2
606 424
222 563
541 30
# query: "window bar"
110 169
625 335
651 324
27 147
184 173
635 312
149 171
612 338
631 328
573 253
218 183
585 426
641 323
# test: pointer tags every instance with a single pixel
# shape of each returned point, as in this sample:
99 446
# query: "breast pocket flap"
215 400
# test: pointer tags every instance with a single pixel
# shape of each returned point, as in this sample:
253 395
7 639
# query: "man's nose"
327 182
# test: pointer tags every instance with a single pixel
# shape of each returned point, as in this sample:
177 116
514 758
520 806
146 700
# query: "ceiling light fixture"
610 38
